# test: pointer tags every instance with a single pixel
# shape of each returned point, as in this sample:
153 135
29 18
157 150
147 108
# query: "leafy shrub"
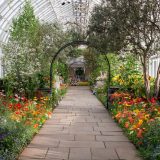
151 141
13 137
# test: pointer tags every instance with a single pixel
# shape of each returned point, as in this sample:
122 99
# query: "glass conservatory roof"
66 12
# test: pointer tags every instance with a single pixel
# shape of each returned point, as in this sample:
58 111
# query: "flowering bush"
129 77
28 53
30 112
139 119
20 119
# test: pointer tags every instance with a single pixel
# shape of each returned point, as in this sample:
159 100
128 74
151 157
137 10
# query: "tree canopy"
126 25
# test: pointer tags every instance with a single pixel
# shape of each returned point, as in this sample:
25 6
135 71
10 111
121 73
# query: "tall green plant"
117 26
29 52
21 54
26 27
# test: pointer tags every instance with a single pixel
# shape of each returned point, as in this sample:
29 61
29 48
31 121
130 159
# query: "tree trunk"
157 83
146 79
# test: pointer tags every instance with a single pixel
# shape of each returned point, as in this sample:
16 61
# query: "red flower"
138 100
23 99
119 102
18 106
153 100
10 105
17 112
131 102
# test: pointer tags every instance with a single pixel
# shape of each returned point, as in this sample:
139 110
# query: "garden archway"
80 42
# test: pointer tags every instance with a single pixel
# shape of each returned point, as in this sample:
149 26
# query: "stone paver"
80 129
112 138
82 144
33 153
85 137
80 154
57 153
104 154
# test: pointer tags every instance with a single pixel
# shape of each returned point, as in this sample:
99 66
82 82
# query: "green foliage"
101 95
26 27
124 25
151 142
104 30
27 58
21 55
129 76
62 69
75 33
29 52
97 63
91 60
75 53
13 137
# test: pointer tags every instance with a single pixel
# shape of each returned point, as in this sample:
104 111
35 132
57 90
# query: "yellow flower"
115 78
15 117
35 98
133 127
46 99
156 109
146 117
136 111
140 122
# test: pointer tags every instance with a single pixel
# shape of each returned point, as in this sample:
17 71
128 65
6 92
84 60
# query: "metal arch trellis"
56 55
80 42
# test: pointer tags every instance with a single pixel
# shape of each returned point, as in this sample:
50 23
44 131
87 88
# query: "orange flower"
127 125
118 115
10 105
36 125
131 120
49 114
26 109
139 134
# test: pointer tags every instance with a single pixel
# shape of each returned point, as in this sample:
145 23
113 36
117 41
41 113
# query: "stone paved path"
80 129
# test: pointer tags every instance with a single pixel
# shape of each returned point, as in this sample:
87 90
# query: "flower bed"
140 120
20 119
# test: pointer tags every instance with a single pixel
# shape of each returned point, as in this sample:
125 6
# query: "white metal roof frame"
62 11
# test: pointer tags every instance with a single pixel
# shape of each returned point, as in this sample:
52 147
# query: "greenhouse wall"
153 65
